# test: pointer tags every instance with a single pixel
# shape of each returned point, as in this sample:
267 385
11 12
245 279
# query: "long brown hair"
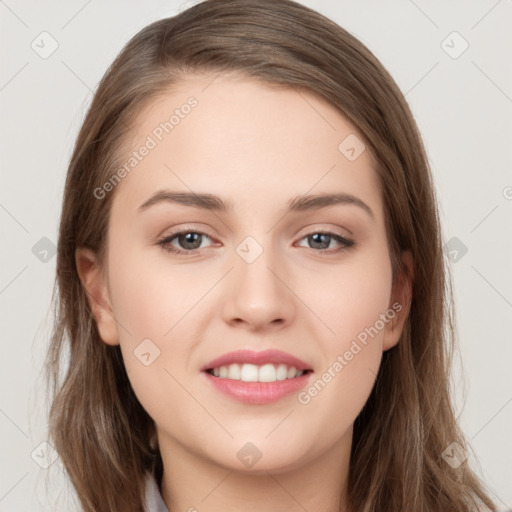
97 425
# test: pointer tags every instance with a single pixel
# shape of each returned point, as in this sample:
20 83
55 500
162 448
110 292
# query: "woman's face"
264 272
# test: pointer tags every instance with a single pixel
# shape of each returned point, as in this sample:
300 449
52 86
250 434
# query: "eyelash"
347 243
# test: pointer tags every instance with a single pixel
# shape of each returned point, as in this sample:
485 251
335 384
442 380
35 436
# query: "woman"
254 368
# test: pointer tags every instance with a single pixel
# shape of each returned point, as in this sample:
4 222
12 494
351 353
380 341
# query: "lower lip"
258 393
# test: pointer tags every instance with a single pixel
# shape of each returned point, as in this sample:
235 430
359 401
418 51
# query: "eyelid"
323 228
345 241
313 228
187 229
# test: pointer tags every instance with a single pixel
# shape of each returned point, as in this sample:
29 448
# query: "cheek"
349 298
151 295
353 304
151 303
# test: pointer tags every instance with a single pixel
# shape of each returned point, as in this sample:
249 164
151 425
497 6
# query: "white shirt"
154 501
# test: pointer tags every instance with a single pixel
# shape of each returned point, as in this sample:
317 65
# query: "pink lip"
258 393
257 358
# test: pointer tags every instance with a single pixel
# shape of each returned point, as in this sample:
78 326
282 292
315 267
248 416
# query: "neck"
191 482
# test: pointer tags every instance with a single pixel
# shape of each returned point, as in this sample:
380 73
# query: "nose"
258 294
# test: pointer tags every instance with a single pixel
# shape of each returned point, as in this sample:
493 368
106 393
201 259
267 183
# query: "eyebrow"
217 204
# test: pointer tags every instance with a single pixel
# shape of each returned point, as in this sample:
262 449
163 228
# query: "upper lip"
257 358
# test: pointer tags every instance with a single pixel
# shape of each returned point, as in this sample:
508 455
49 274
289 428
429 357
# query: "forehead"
244 140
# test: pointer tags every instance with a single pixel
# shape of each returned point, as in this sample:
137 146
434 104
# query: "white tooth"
253 373
249 373
291 372
234 371
281 372
267 373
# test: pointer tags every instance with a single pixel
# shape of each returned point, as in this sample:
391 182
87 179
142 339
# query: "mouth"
257 377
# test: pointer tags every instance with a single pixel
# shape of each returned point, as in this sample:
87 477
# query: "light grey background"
463 106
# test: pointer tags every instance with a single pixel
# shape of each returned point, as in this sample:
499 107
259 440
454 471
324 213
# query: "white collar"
154 501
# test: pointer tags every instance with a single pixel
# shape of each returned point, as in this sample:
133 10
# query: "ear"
95 286
401 296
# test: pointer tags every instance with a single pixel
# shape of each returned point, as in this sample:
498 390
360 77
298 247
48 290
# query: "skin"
256 146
